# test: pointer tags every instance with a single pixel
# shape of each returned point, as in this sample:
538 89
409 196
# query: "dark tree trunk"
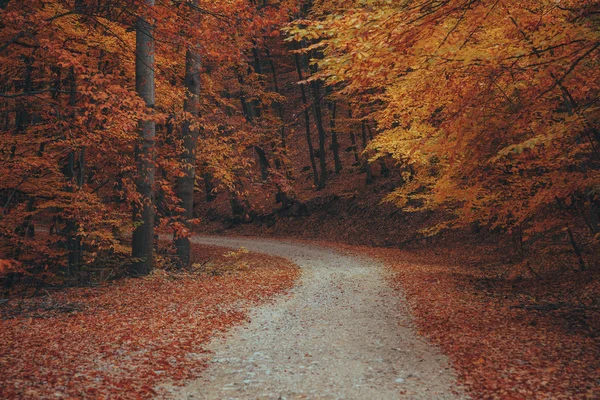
311 150
353 138
143 235
22 120
184 188
315 85
576 249
209 186
279 110
250 113
255 103
365 157
335 147
75 175
264 162
27 228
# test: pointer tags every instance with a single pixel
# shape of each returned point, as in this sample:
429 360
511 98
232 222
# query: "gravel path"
342 333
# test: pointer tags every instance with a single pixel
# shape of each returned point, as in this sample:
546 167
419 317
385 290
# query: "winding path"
342 333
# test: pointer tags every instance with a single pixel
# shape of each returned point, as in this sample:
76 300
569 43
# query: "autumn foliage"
70 136
396 123
490 108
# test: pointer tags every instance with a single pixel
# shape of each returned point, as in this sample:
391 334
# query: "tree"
491 104
311 151
189 132
316 94
335 146
143 235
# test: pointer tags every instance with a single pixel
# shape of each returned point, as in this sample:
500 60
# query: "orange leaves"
125 338
8 266
70 114
494 92
500 351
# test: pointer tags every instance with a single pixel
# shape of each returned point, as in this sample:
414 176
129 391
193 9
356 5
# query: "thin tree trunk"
279 110
22 117
594 212
250 111
311 150
264 162
75 179
316 86
365 157
27 228
184 188
209 186
335 147
353 138
143 235
73 240
22 120
255 103
322 135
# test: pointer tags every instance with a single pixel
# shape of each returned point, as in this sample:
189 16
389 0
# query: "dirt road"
342 333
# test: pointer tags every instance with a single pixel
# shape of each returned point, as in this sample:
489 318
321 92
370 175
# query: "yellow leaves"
237 253
517 149
476 88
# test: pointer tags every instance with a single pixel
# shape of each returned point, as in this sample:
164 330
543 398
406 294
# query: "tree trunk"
365 157
73 240
143 235
335 147
353 138
22 121
316 86
209 187
264 162
184 188
252 111
279 109
311 150
576 249
255 104
322 135
594 212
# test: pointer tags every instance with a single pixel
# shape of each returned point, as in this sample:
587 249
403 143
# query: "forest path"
342 333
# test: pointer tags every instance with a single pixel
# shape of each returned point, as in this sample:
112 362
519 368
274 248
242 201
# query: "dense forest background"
378 122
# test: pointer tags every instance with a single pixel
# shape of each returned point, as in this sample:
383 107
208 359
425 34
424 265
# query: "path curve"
342 333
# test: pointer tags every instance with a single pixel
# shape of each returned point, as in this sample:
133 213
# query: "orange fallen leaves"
499 352
122 339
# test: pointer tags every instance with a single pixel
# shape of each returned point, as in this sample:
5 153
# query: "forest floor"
123 338
362 322
507 336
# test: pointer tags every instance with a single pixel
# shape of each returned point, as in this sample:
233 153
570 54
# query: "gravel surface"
342 333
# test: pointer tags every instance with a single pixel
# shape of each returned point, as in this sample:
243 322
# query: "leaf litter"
124 338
